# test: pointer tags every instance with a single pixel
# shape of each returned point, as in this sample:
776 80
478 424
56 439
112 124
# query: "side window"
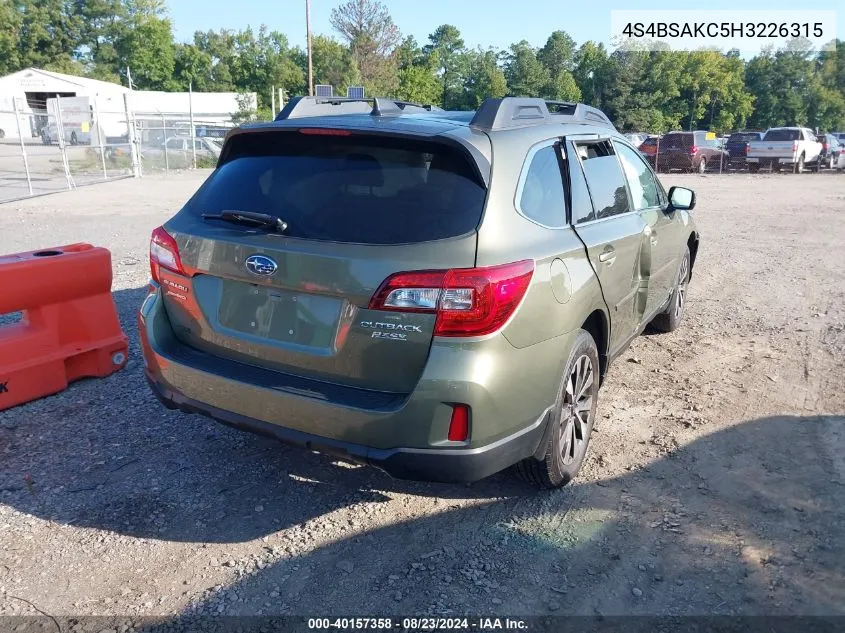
604 178
641 181
582 205
540 195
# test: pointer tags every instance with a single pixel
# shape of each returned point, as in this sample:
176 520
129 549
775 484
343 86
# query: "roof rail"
513 112
301 107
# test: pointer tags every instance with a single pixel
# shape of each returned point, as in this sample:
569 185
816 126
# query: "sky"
497 23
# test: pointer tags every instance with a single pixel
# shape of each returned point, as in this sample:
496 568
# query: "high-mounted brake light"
467 301
164 253
321 131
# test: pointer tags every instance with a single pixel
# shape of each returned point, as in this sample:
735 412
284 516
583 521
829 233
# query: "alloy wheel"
681 295
577 409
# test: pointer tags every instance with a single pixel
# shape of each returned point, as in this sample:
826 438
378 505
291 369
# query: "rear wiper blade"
249 217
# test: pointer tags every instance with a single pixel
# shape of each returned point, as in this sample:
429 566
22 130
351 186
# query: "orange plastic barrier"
69 328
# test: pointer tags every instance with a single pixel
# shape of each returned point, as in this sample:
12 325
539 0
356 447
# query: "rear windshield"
677 140
357 188
744 138
782 135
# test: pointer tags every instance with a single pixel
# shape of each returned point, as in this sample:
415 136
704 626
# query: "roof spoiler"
514 112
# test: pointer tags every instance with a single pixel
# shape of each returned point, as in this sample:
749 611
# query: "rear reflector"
467 301
319 131
459 425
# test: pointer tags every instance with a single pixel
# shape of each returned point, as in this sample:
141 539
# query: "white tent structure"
28 91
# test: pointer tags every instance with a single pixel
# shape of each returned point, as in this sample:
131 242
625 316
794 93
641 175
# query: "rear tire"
571 421
702 166
799 166
753 168
670 320
2 133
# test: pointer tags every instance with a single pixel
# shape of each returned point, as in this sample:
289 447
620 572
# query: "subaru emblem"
261 265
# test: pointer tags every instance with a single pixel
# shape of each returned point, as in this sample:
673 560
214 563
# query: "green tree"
445 47
193 67
102 23
145 45
558 53
48 35
10 18
590 72
525 75
563 87
484 80
372 37
333 64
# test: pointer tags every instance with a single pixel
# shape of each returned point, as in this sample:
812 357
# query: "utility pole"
310 63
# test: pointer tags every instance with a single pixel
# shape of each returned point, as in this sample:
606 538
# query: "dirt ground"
713 484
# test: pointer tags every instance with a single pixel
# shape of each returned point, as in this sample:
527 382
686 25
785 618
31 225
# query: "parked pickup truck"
792 146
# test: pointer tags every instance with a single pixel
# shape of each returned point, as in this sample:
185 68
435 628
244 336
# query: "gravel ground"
714 482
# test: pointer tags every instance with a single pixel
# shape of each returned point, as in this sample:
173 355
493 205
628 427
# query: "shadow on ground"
745 520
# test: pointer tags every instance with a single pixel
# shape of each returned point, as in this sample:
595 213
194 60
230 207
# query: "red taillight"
747 149
467 301
825 147
320 131
693 150
459 424
164 253
794 146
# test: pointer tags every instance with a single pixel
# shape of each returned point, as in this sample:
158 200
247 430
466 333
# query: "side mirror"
681 198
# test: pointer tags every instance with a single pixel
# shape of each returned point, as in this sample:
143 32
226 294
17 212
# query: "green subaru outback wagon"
438 294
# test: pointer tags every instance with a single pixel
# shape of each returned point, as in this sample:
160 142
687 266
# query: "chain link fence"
172 141
63 143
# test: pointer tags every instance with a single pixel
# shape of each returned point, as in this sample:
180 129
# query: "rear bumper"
403 434
438 465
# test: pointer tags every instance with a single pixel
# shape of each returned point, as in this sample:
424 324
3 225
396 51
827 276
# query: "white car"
795 147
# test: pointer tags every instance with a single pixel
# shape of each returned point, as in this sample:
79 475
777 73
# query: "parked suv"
689 151
435 293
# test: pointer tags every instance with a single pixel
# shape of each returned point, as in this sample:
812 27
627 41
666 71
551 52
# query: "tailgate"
770 149
359 210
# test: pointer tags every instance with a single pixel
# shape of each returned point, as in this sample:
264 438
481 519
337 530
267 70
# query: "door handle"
608 255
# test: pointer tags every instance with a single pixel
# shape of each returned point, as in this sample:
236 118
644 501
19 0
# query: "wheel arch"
692 244
597 326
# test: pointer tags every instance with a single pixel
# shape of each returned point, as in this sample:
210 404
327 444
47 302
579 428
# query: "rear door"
359 208
613 235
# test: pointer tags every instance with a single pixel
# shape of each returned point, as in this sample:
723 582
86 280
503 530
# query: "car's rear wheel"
670 320
831 162
753 168
571 420
799 166
702 166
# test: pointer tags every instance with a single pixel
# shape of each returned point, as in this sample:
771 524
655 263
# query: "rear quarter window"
358 188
